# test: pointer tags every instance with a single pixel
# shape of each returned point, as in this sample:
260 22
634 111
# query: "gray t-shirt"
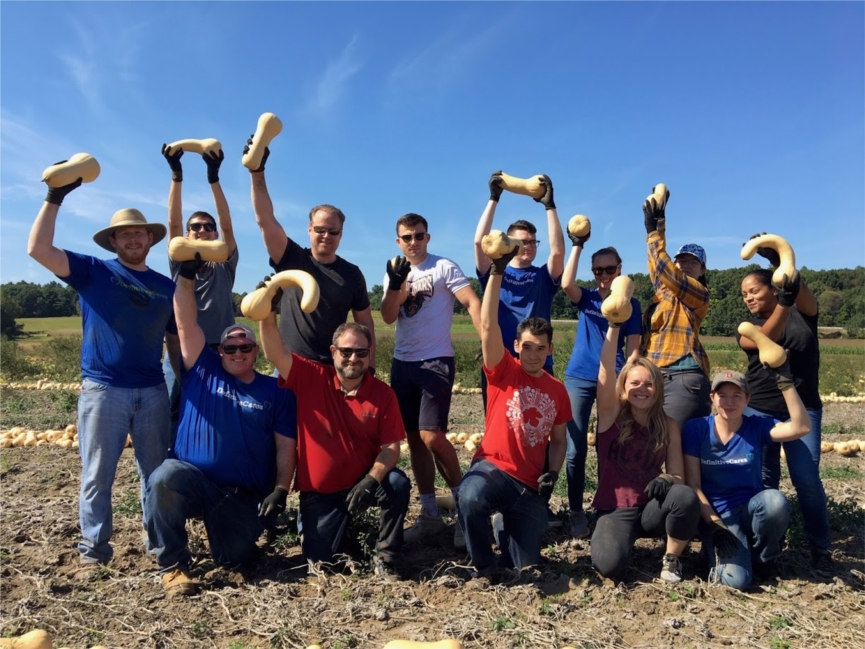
213 285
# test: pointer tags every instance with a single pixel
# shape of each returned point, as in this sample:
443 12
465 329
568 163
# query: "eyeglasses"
320 229
208 227
244 349
360 352
531 243
418 236
600 270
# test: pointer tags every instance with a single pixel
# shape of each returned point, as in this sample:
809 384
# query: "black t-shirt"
343 289
799 338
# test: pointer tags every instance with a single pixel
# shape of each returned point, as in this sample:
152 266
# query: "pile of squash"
20 436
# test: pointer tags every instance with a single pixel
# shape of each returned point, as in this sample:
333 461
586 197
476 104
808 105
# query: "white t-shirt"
423 328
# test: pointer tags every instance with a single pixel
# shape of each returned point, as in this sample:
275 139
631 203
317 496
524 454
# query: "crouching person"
233 422
349 431
527 410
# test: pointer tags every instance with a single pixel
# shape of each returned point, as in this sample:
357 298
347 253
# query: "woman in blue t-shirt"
742 522
581 375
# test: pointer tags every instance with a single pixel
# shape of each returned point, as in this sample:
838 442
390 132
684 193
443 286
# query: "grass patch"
845 517
130 504
845 472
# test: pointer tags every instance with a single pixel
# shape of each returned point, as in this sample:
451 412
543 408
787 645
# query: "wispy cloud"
333 83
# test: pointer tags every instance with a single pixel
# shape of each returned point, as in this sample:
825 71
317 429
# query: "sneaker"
385 570
178 582
498 523
459 537
553 520
671 569
578 524
822 563
425 526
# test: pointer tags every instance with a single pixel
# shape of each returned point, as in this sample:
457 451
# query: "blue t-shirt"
226 426
526 293
124 314
591 331
730 474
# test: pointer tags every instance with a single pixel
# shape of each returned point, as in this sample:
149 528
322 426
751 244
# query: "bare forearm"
223 214
274 236
274 348
389 306
175 210
555 263
384 462
482 262
40 245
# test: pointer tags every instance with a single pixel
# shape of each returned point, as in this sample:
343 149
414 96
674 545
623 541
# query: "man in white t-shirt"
422 371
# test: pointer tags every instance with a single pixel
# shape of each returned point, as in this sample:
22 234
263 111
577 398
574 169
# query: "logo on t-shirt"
531 414
419 289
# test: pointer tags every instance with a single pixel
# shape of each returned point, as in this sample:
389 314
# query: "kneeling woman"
635 439
742 521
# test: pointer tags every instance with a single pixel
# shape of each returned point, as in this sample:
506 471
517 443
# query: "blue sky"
753 114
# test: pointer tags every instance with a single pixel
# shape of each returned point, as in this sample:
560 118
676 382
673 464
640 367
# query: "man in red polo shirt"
349 430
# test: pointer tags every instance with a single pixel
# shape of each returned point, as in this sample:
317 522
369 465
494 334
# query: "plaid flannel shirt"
671 324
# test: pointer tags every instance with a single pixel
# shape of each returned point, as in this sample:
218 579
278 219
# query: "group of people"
215 439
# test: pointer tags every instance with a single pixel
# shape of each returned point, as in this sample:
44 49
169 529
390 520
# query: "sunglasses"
600 270
233 349
531 243
360 352
418 236
208 227
320 229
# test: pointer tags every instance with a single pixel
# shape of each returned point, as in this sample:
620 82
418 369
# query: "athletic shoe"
425 527
459 537
178 582
553 520
385 570
578 524
671 569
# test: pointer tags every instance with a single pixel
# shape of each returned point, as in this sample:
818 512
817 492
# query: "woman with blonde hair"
635 499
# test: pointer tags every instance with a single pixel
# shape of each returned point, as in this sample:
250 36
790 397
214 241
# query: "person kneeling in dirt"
233 422
349 432
510 472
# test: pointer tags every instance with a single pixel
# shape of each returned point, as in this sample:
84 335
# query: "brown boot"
177 582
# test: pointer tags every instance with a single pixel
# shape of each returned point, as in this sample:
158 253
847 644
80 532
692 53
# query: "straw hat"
128 216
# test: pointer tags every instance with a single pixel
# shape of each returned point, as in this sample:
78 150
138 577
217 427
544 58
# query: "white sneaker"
459 537
671 569
425 526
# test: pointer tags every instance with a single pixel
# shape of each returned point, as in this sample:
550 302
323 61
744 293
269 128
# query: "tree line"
841 293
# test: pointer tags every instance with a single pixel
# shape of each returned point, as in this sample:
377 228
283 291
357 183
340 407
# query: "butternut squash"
659 193
35 639
462 438
470 446
579 225
826 447
269 126
497 243
183 249
81 165
411 644
533 186
196 146
617 306
257 305
785 252
769 352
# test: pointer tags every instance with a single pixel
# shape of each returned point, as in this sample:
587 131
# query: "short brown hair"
330 209
411 220
352 326
203 215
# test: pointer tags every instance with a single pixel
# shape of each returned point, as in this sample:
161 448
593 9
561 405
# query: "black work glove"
274 504
362 495
725 542
546 483
174 163
56 195
783 374
499 265
213 160
652 212
769 254
659 487
263 158
274 303
579 241
495 186
547 199
788 291
397 273
189 269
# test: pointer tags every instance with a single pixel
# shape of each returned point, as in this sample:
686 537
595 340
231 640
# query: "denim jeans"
486 489
173 385
582 394
178 491
759 524
324 519
803 462
686 395
106 415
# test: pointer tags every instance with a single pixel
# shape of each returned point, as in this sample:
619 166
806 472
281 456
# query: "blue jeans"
759 524
106 415
173 386
486 489
803 462
324 519
178 491
582 394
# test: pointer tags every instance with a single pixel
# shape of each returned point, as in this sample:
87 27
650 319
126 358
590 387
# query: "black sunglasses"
320 229
530 243
208 227
360 352
244 348
609 270
418 236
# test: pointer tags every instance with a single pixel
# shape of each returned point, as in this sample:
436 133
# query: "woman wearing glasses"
581 375
671 328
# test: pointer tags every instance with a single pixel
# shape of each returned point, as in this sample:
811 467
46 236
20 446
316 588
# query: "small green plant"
778 622
673 595
545 608
778 643
198 629
129 505
501 623
96 637
728 612
236 644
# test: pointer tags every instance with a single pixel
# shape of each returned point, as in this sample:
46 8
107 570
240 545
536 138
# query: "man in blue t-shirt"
235 448
527 290
126 310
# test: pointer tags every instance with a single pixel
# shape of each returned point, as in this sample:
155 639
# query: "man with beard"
126 310
348 434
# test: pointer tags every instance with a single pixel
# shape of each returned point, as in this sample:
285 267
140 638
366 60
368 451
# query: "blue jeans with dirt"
106 415
582 394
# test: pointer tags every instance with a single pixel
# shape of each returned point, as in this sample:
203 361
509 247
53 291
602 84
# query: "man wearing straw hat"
126 310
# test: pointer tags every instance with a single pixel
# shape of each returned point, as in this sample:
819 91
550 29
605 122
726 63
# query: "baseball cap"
234 331
695 250
730 376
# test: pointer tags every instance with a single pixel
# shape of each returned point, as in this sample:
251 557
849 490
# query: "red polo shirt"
339 435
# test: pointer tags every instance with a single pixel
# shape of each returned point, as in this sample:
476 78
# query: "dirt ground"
274 604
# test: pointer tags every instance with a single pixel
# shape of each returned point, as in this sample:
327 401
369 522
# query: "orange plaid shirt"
671 324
